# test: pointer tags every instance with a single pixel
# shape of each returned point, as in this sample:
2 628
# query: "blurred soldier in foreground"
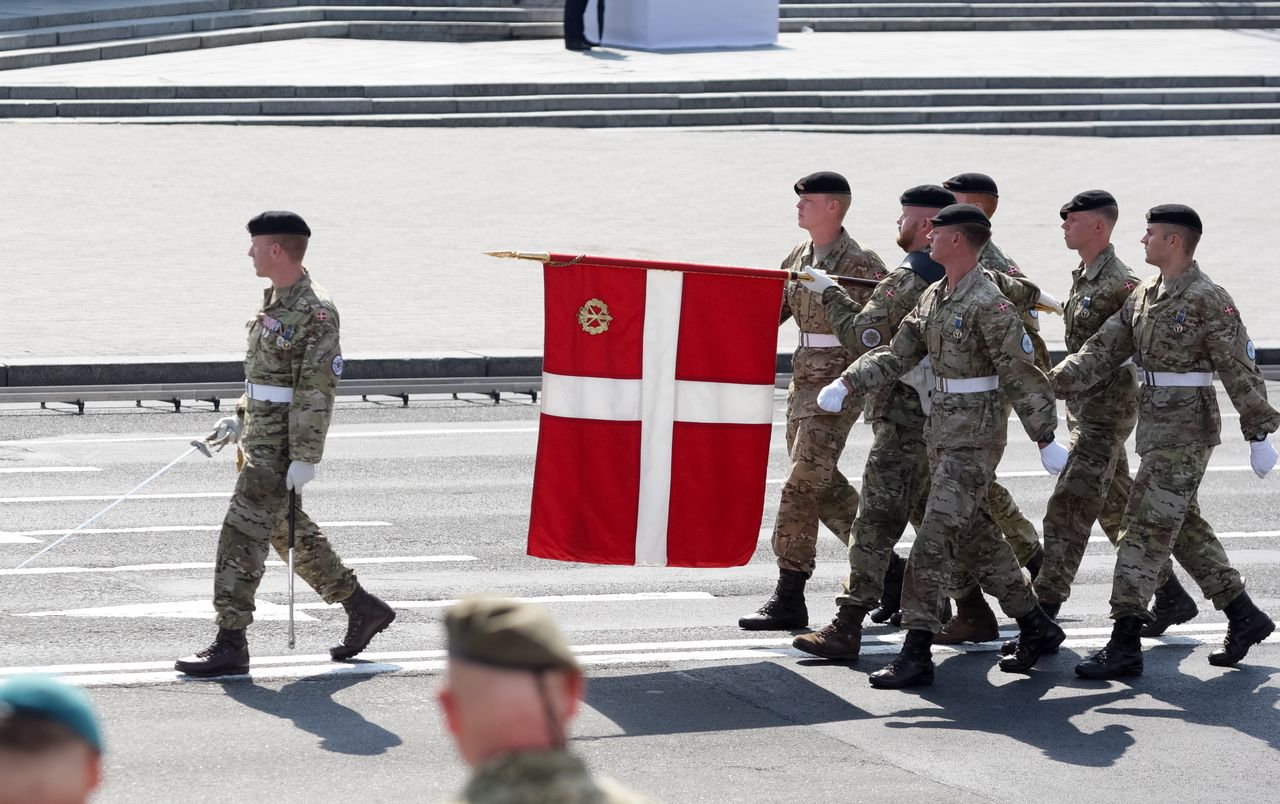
814 490
979 353
1183 328
291 370
511 690
50 744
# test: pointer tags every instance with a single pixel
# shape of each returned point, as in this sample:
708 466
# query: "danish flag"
657 408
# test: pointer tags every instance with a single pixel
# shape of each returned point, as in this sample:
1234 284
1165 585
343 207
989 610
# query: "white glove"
226 431
1049 303
1053 458
831 398
816 280
300 473
1262 457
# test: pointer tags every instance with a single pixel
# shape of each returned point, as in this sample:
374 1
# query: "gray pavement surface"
681 703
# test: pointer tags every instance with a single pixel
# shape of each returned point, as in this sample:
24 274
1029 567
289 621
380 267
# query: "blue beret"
824 181
927 195
1088 201
1176 214
957 214
972 183
278 222
47 698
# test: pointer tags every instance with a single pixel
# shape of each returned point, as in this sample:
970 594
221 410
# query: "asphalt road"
430 503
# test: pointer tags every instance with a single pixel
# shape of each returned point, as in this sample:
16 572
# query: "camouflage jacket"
543 777
863 328
971 331
293 342
1098 291
993 258
813 368
1187 324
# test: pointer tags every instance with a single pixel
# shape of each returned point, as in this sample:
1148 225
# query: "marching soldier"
974 620
291 370
978 349
1182 328
814 489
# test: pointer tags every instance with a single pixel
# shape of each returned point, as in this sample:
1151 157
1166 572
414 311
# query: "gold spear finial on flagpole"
520 255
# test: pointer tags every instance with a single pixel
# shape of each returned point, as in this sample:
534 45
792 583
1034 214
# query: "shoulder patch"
1251 351
1013 270
1026 343
322 314
336 365
871 339
1004 305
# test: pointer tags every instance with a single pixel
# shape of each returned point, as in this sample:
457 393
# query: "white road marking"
208 565
10 538
181 609
1000 475
603 598
185 528
188 495
15 470
432 662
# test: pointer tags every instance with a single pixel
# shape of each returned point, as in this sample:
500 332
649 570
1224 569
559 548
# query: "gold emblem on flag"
594 317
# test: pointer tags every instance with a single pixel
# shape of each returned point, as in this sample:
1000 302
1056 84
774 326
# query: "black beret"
1177 214
927 195
506 634
972 183
278 222
824 181
1088 201
960 213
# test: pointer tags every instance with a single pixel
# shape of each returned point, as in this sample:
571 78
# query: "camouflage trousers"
1016 529
814 490
1163 515
1095 485
895 483
958 527
259 516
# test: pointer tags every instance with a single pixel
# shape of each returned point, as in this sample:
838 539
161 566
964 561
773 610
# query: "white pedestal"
685 24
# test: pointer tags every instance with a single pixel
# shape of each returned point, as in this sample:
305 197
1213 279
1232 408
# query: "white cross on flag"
657 403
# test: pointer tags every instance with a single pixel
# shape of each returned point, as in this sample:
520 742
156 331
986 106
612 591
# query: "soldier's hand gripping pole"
293 525
196 446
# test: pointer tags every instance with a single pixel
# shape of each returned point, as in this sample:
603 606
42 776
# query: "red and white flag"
657 403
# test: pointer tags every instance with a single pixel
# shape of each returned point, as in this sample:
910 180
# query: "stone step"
1055 9
1265 100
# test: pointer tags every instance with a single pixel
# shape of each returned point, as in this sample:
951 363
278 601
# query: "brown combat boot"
367 616
974 621
840 640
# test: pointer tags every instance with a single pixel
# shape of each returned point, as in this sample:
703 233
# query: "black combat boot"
227 656
1173 606
841 640
1036 562
974 621
366 616
1010 646
912 667
1247 625
785 609
1121 657
891 597
1039 635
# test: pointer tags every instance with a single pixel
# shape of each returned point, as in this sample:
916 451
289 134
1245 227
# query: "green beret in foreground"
1088 201
1176 214
46 698
507 634
278 222
927 195
957 214
824 181
972 183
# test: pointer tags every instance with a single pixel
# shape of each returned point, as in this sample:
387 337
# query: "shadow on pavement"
309 704
749 696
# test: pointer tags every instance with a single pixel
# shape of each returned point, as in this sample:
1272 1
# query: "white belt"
1179 379
972 385
817 341
268 393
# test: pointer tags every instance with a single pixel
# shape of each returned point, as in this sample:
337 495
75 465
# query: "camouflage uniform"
293 344
543 777
1095 484
969 332
815 489
1187 324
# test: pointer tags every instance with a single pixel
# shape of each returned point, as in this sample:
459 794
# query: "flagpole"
565 260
